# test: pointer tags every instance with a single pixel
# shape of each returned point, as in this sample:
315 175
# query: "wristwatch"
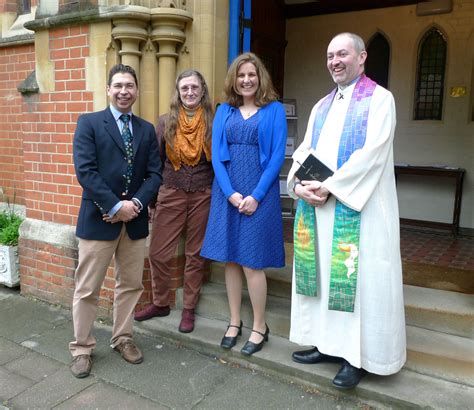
137 203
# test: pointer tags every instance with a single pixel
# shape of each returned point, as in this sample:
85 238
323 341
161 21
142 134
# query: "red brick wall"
52 192
66 6
40 152
8 6
12 5
16 63
176 272
47 271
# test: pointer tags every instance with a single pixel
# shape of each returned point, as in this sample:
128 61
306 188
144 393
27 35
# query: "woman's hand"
248 205
312 192
235 199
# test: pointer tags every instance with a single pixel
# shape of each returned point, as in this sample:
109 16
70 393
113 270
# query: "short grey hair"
357 41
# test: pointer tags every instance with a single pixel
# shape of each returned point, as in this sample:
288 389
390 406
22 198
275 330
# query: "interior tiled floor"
437 248
432 247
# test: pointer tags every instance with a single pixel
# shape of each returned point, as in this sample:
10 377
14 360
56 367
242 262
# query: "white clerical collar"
343 87
345 92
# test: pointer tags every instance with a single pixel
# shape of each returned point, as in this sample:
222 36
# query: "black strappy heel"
228 342
251 347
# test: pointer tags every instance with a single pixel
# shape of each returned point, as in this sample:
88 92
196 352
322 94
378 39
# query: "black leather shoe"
348 376
228 342
250 347
313 356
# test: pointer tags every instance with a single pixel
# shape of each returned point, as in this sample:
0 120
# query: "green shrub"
9 228
9 223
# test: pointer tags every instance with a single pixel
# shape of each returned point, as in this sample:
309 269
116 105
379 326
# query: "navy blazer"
101 164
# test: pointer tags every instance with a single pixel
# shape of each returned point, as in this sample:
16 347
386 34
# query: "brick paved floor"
438 248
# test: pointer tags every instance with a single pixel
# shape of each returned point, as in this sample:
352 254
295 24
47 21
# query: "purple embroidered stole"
346 230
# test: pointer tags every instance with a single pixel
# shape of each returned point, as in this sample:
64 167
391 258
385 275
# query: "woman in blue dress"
244 229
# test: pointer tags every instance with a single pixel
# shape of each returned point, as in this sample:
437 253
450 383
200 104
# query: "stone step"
440 310
441 355
278 280
438 277
213 304
406 389
430 352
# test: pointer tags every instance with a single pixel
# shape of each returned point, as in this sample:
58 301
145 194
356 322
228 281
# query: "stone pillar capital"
130 33
168 29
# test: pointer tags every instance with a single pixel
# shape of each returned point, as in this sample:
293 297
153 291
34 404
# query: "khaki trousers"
94 259
178 211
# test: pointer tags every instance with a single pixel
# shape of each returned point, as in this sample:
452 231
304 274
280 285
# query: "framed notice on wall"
290 146
290 107
283 186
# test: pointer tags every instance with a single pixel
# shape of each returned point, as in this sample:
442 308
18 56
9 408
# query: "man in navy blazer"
118 166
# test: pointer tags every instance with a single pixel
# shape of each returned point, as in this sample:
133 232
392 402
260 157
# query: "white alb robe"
373 336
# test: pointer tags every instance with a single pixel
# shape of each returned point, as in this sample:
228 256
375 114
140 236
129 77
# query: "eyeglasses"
193 88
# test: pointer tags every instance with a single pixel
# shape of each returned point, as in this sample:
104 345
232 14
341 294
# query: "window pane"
430 76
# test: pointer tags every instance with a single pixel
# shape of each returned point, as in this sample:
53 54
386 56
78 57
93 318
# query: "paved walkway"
34 371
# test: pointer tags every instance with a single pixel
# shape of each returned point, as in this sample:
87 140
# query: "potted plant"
9 233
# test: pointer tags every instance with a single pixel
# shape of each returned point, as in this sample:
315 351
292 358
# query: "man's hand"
235 199
126 213
312 192
248 205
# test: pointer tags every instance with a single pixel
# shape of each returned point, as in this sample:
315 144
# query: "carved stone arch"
422 34
431 62
447 33
377 65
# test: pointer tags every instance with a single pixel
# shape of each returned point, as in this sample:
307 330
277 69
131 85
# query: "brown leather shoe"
81 366
130 352
151 311
187 321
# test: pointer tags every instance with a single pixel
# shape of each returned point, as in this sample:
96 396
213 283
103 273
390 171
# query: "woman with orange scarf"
184 138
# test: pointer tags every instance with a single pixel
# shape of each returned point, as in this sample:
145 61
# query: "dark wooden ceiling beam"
340 6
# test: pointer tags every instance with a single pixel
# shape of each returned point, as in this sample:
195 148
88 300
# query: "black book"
312 169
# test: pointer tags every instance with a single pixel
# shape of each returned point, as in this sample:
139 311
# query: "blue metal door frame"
240 14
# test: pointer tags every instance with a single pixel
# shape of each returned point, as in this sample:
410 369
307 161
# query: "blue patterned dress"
254 241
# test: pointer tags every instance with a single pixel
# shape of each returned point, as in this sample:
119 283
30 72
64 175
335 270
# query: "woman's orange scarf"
189 140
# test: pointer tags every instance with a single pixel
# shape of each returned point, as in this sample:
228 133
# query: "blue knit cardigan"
272 132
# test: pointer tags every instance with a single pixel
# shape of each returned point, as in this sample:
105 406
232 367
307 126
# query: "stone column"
204 40
131 33
149 83
168 31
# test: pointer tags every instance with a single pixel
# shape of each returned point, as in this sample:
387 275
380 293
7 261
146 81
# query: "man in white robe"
372 338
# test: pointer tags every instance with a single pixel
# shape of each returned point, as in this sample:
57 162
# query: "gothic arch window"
431 69
378 59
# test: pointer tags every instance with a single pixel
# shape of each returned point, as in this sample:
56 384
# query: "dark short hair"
123 69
